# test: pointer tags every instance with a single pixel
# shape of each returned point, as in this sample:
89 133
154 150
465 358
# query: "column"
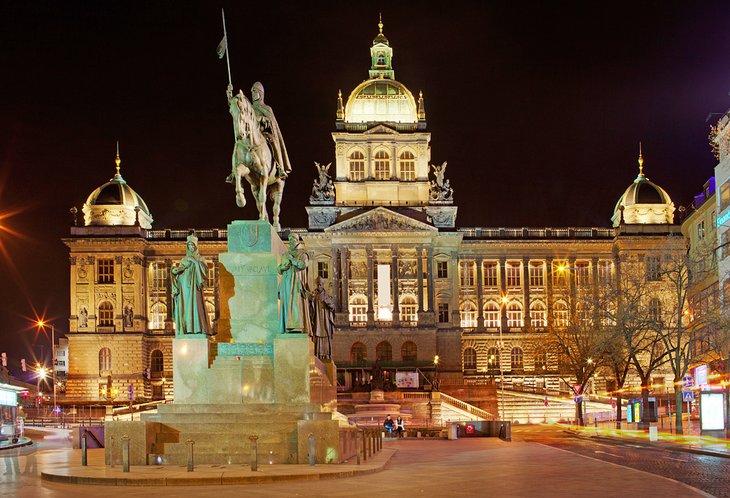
419 275
480 295
168 293
503 291
596 303
393 163
549 289
526 290
371 297
394 279
431 290
345 278
456 285
571 286
336 279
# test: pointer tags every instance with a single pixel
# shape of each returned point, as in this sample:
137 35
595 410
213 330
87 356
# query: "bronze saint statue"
188 303
292 291
323 321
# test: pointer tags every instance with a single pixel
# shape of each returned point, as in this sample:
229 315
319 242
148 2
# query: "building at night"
409 285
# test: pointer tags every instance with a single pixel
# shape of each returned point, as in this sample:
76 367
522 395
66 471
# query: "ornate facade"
409 286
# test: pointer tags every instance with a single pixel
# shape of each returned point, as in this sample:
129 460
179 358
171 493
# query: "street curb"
219 478
659 445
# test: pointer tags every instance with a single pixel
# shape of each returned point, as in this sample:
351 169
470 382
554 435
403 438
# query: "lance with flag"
223 48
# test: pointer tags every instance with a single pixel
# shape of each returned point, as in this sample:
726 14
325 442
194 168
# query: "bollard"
357 446
125 453
380 443
311 450
254 452
371 440
364 446
83 449
111 451
191 462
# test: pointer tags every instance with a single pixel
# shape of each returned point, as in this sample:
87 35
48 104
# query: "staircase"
525 408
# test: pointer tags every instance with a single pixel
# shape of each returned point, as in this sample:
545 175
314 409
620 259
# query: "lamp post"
436 360
502 301
42 325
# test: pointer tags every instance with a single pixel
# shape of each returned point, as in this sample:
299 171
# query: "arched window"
517 361
491 315
655 311
538 314
105 360
358 354
210 311
157 364
409 351
382 165
358 309
381 59
470 359
158 313
384 351
560 314
357 166
407 166
540 361
514 314
493 360
468 315
106 314
408 309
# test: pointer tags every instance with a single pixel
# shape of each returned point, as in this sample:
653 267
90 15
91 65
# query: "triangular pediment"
380 219
381 128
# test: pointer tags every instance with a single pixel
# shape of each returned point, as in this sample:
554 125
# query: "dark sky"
537 106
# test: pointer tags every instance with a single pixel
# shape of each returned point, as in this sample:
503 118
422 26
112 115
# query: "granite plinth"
190 368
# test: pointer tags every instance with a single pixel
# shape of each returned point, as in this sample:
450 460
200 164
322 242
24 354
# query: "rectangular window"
323 270
537 275
159 276
210 281
604 272
582 273
443 312
442 269
513 275
701 230
653 268
725 196
105 270
713 220
561 270
466 273
490 274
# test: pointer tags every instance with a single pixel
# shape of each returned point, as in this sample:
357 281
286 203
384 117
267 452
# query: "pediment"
380 219
381 128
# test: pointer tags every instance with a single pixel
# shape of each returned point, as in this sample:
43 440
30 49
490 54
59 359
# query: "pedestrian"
388 424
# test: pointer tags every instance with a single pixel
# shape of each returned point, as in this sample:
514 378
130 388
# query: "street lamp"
42 325
503 300
436 360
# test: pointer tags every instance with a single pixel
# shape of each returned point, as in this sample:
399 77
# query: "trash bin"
452 431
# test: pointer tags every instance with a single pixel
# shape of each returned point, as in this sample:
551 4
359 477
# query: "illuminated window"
540 361
490 274
106 314
493 360
105 271
724 196
159 276
442 269
517 359
537 275
158 313
560 314
470 359
382 165
358 309
357 166
701 230
653 268
384 351
210 281
358 354
655 310
443 312
323 270
604 271
407 166
210 311
468 314
513 275
538 314
583 314
466 273
491 314
409 351
582 273
157 364
105 360
408 309
514 314
561 270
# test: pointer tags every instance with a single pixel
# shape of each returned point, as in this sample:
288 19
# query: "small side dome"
116 204
643 202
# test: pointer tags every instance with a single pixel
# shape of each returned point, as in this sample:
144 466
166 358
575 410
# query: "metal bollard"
191 462
254 452
364 446
357 446
83 449
311 450
125 453
111 451
380 443
371 439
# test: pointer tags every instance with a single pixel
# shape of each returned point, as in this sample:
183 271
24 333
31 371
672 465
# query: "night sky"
538 107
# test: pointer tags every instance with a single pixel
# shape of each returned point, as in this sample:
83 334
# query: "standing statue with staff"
259 153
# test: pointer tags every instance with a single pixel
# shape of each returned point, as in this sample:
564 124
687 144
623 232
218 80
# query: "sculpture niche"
259 154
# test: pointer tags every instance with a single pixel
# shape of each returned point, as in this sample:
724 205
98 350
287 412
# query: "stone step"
253 427
234 419
243 459
218 445
248 408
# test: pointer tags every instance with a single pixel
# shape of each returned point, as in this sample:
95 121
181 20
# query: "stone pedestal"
190 368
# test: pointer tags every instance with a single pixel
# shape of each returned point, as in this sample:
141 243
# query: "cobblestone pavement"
708 473
484 467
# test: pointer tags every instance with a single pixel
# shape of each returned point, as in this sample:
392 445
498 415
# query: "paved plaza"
465 467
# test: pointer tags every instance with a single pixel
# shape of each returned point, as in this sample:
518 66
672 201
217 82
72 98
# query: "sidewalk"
168 475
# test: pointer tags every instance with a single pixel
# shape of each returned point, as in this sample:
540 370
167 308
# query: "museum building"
413 292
